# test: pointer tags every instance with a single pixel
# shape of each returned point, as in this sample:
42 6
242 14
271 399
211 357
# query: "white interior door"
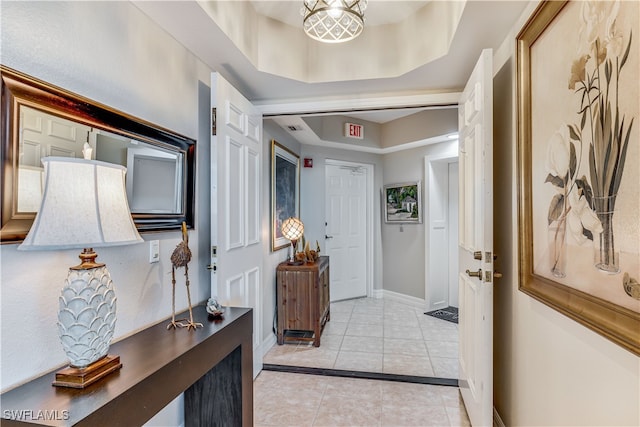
453 234
476 243
42 135
437 286
441 266
236 252
346 228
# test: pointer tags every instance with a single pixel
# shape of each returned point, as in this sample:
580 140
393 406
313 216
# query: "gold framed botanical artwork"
578 157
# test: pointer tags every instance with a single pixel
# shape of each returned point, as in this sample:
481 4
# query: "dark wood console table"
213 366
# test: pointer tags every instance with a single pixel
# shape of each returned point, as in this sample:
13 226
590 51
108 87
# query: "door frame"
369 214
429 266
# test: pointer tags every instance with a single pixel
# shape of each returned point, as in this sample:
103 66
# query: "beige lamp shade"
84 205
292 228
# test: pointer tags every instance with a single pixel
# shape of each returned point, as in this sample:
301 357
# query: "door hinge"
213 122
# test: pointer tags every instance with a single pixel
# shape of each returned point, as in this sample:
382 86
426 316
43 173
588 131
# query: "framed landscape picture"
578 156
403 203
285 191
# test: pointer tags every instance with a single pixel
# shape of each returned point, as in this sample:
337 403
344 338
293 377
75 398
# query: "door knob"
477 274
328 237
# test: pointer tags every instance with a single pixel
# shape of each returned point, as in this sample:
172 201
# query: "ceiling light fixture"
333 21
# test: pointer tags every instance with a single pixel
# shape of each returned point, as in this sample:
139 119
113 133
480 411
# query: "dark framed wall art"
403 203
285 191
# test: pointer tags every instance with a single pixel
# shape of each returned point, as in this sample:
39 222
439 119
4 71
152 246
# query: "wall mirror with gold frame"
39 120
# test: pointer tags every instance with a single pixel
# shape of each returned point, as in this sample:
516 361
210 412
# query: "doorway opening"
373 335
441 242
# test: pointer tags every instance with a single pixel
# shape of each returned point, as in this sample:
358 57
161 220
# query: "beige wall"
419 126
548 369
271 131
415 127
112 53
403 246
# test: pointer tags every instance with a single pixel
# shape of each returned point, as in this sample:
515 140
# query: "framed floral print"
285 191
578 157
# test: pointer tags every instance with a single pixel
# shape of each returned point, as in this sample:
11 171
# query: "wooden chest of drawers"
303 300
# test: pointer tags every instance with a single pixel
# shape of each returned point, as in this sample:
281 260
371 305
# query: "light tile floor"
375 335
288 399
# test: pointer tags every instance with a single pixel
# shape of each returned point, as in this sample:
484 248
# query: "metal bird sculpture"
180 258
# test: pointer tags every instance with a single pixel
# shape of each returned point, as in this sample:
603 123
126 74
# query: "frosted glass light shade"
84 205
333 21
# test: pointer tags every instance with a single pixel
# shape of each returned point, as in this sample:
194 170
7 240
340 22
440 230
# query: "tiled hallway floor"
288 399
379 336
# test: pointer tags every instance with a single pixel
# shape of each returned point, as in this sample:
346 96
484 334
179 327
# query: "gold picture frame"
285 191
31 108
563 65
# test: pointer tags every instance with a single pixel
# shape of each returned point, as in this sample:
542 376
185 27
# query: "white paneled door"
452 243
346 229
441 268
43 135
236 246
476 243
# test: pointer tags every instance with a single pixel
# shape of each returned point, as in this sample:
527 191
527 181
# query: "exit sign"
353 130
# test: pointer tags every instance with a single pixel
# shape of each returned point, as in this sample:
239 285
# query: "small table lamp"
292 229
84 206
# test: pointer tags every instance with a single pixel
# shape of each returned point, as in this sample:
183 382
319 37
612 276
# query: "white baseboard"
378 293
404 299
267 343
497 421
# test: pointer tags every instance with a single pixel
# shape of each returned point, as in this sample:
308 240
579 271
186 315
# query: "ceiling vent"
294 128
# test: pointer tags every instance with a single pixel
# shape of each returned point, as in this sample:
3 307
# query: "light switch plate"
154 251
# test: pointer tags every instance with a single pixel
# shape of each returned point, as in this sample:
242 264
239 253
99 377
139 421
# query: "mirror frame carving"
21 89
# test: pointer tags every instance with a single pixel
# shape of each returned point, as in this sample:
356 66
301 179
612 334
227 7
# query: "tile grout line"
346 315
395 320
424 339
315 417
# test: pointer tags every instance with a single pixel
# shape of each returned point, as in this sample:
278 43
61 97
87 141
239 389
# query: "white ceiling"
378 12
483 24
